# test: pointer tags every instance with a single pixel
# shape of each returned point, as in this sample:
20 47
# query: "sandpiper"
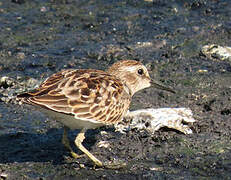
88 98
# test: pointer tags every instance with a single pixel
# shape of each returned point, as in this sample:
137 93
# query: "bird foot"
76 156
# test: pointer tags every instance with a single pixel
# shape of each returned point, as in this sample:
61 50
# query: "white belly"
70 121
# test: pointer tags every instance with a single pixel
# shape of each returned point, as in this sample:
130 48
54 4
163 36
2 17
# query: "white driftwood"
154 119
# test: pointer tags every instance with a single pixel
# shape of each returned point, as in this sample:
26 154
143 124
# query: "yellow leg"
66 143
78 141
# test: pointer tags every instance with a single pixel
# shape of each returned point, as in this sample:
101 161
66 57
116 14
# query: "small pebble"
21 55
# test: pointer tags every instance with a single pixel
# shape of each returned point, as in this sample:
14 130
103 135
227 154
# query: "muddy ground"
38 38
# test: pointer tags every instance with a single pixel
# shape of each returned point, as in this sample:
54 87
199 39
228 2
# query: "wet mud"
38 38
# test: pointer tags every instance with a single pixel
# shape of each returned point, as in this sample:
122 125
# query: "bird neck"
128 89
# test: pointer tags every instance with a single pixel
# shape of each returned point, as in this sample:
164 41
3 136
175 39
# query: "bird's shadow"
37 147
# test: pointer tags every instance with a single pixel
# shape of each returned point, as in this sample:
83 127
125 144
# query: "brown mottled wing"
87 94
49 95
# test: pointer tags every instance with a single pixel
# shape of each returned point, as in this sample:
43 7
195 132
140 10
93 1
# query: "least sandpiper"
88 98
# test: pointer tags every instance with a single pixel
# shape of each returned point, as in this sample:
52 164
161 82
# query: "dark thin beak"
158 85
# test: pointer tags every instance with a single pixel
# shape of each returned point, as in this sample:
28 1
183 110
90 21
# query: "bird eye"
140 71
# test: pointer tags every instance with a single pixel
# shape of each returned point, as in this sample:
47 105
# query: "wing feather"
87 94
